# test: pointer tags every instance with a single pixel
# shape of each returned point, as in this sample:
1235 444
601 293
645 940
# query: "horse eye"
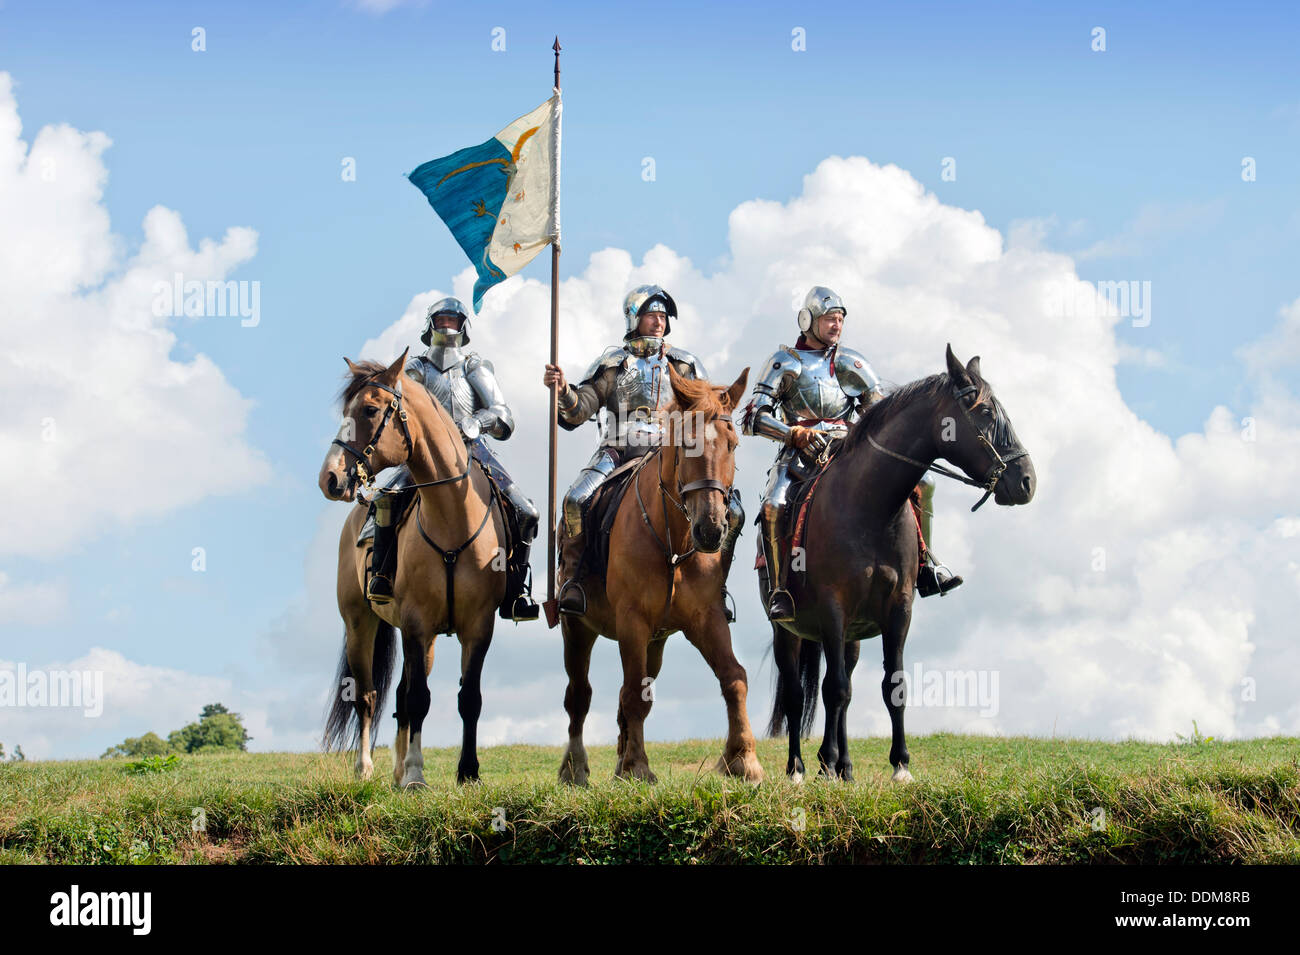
371 411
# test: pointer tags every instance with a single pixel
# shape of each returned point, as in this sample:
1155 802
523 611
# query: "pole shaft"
555 394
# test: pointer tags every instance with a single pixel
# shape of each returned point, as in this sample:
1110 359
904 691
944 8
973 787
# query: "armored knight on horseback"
806 398
630 382
465 384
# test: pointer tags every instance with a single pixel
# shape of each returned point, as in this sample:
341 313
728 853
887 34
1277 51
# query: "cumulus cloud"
1153 580
90 388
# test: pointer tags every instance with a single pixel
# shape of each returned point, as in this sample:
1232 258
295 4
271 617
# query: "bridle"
703 484
996 468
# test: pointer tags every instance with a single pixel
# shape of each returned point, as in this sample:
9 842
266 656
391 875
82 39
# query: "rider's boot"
519 603
572 598
383 553
932 577
780 605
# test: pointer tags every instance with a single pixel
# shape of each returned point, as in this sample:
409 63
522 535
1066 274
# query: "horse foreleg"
852 651
578 641
714 643
835 692
403 728
894 689
634 698
474 647
360 651
418 650
789 704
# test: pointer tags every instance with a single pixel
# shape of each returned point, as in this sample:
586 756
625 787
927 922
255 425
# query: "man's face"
652 324
829 326
446 323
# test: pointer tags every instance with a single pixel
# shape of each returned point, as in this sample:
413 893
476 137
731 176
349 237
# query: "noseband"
996 468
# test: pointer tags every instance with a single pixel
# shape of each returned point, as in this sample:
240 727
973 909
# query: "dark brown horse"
666 572
862 553
450 572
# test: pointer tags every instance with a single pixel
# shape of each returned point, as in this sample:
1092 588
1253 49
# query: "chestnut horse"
665 574
862 554
454 514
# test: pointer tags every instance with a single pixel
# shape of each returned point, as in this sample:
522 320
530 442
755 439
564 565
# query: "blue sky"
1134 153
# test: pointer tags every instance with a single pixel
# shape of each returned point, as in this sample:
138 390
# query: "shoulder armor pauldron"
613 355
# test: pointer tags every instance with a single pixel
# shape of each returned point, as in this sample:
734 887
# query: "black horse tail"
342 731
810 676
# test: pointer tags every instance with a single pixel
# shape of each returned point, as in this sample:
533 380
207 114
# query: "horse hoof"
414 782
901 775
796 778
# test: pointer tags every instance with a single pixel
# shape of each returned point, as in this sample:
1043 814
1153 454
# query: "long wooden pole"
555 396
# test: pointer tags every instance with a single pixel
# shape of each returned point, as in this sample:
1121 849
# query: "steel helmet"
446 306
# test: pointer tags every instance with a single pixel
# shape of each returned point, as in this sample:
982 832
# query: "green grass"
975 800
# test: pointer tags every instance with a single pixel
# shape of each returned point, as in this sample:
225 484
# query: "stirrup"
728 606
780 606
560 599
521 609
380 596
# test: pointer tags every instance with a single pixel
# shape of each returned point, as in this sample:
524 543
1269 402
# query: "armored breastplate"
451 389
816 393
640 389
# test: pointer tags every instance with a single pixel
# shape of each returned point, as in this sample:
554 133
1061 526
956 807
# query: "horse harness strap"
703 484
998 466
449 558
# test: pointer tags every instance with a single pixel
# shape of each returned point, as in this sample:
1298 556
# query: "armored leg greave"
735 523
932 577
383 554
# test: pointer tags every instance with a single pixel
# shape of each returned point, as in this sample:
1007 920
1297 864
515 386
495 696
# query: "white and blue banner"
501 199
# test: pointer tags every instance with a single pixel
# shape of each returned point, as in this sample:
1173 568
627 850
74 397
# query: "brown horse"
450 568
665 574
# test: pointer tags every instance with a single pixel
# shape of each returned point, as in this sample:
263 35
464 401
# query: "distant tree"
217 729
19 756
150 744
2 750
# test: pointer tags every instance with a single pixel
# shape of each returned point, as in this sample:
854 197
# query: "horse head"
703 438
374 434
979 438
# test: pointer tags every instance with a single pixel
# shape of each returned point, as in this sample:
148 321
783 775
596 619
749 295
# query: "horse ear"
737 390
393 371
973 367
351 367
955 370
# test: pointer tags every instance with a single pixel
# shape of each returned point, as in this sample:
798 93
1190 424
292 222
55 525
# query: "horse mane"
923 388
701 395
358 378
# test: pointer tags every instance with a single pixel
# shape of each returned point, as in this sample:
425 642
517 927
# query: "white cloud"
1199 590
95 404
1280 347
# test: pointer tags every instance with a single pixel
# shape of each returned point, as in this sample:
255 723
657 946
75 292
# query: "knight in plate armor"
629 383
807 398
466 385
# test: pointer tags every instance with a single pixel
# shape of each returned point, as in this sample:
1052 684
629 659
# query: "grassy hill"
976 799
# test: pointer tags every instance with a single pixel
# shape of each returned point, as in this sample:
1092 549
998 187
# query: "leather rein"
996 469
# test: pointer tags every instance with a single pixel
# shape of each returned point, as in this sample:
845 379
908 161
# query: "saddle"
601 511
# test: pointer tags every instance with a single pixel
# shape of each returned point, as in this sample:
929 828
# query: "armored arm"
858 379
493 415
578 405
415 369
761 417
